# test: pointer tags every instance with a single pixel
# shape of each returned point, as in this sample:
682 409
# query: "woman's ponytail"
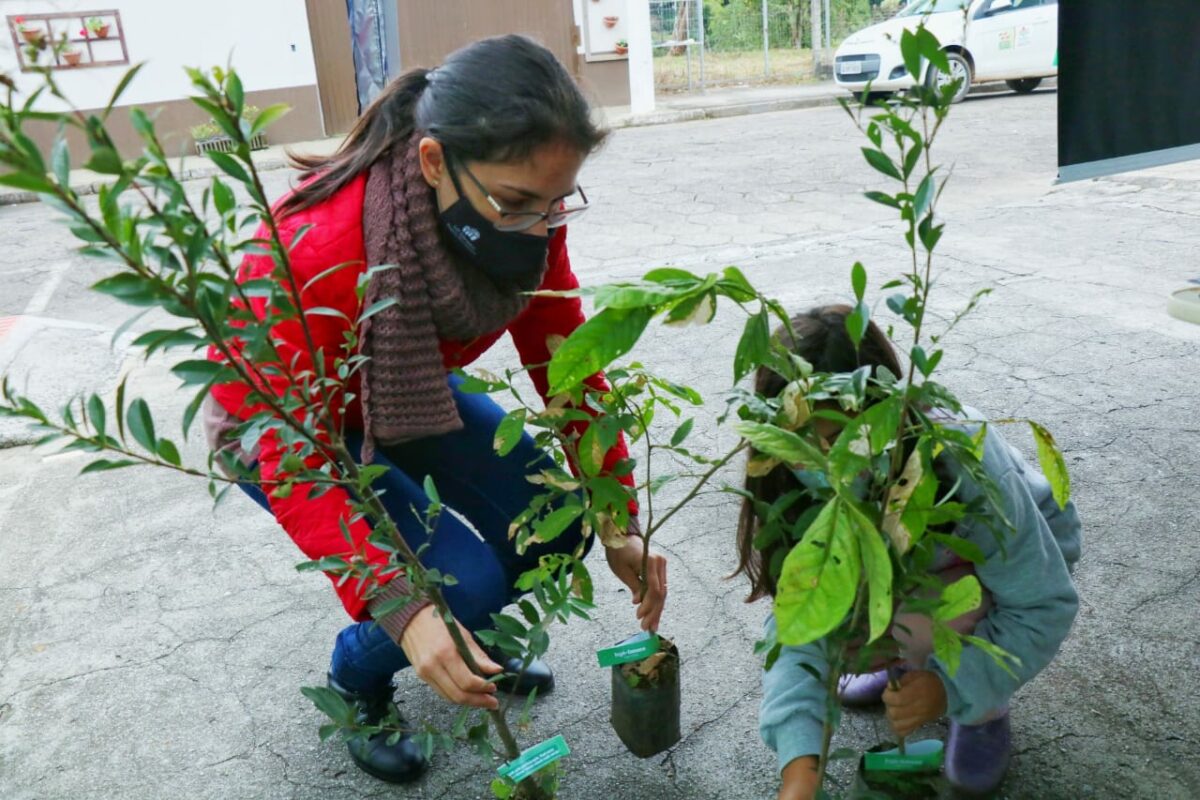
389 119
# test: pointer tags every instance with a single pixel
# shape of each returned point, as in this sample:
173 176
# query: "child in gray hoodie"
1029 600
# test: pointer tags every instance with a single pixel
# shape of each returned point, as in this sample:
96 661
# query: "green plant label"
635 649
923 756
535 758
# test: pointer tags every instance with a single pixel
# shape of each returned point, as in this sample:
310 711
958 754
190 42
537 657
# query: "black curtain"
1128 84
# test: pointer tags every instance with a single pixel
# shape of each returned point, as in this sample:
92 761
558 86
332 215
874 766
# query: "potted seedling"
96 27
621 47
610 22
72 56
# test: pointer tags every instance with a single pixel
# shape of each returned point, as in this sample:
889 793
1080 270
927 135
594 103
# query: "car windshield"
920 7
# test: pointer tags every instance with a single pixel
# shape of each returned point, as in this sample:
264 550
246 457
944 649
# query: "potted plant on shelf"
32 35
96 27
72 56
621 47
610 22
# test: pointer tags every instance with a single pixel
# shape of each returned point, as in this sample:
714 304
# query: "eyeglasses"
569 210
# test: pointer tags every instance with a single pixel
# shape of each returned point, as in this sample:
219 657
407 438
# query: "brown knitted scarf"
405 394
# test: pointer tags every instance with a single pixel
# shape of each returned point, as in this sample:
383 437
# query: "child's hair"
822 340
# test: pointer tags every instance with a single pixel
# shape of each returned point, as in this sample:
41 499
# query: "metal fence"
705 43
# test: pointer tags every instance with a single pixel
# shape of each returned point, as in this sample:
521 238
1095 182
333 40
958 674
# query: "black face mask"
509 258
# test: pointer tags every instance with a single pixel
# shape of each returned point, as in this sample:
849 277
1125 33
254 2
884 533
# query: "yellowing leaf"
611 536
702 314
819 579
554 341
1053 464
761 465
898 496
794 409
878 566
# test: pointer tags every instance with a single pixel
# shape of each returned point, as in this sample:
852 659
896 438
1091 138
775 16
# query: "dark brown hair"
822 340
496 100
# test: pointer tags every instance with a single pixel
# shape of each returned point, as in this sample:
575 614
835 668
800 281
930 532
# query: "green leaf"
227 164
198 372
947 646
682 432
60 160
509 431
141 424
877 564
819 579
122 85
223 197
128 288
330 703
961 597
267 117
782 444
104 464
96 414
594 344
28 182
754 346
637 296
962 548
553 524
1004 659
924 197
431 491
883 199
1053 464
931 49
168 452
105 160
880 161
910 51
858 322
858 280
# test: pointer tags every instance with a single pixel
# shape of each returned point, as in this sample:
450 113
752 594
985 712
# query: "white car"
985 40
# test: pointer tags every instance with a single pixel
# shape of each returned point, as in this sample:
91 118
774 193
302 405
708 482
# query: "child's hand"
920 699
799 779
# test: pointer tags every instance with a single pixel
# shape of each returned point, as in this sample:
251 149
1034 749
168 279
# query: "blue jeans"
478 484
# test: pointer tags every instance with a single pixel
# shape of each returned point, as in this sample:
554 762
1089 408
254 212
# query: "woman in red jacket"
463 177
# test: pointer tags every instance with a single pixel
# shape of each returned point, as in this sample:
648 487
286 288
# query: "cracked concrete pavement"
151 648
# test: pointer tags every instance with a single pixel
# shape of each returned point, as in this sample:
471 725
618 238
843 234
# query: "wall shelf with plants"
604 30
73 40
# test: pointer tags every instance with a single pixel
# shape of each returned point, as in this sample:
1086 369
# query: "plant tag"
632 649
535 758
923 756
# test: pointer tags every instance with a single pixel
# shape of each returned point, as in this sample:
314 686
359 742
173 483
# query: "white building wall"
267 41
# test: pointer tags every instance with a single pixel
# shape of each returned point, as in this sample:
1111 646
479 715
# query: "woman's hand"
430 650
626 564
799 779
921 698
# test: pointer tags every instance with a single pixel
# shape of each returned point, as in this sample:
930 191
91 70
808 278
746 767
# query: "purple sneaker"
861 691
977 756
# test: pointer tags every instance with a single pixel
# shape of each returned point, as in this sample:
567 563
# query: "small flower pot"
883 773
621 49
72 59
645 707
34 37
102 31
610 22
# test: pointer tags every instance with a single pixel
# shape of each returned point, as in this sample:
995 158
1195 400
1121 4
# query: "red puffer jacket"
337 238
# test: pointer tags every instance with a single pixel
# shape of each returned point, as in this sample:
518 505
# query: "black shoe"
401 762
536 676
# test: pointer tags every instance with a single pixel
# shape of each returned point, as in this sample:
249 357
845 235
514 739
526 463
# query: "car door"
1037 40
1002 35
